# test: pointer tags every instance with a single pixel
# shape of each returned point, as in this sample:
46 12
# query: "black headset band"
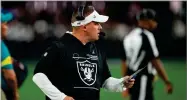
81 13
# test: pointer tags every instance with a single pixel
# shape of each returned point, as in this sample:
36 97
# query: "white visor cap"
94 16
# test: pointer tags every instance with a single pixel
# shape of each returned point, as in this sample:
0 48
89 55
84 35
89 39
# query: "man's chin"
95 39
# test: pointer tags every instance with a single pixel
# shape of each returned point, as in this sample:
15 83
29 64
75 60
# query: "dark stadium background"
171 44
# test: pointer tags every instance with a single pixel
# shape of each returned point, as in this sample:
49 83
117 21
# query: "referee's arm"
153 54
42 71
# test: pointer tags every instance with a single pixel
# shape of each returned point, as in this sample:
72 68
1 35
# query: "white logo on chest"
87 72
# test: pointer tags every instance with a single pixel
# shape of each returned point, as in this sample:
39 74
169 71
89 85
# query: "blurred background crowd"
36 24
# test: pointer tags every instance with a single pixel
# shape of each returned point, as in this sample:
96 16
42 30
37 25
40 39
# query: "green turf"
176 71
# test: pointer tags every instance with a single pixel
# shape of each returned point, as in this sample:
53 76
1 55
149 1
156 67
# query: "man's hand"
169 87
16 96
68 98
128 82
125 93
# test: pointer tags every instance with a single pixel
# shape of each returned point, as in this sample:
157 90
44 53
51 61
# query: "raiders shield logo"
87 72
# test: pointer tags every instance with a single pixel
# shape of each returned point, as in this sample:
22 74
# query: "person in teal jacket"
8 76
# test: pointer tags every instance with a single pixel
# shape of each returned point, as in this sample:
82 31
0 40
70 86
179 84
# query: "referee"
75 67
140 50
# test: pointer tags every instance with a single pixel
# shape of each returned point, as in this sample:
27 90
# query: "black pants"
9 94
142 89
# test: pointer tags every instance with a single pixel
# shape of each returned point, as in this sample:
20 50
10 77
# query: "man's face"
92 30
3 30
148 24
152 24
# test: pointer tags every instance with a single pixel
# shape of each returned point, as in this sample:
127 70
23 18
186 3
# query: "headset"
80 15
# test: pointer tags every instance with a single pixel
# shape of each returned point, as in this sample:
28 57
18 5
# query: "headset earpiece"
80 13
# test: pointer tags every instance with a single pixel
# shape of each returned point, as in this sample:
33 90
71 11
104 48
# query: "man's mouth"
101 34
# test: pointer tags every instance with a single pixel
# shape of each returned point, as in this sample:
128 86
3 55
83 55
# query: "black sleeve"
151 48
106 71
122 53
48 60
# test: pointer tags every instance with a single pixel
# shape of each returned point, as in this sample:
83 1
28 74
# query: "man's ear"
84 27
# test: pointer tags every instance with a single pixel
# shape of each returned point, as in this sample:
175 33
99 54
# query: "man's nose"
100 27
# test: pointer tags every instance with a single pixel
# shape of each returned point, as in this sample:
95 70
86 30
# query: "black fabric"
9 94
21 71
135 90
75 69
148 48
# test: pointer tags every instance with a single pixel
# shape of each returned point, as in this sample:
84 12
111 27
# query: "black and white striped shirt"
140 48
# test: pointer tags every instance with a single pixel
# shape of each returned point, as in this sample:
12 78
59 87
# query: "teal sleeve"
5 54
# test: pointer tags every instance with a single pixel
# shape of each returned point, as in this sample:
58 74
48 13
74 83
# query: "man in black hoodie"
75 67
